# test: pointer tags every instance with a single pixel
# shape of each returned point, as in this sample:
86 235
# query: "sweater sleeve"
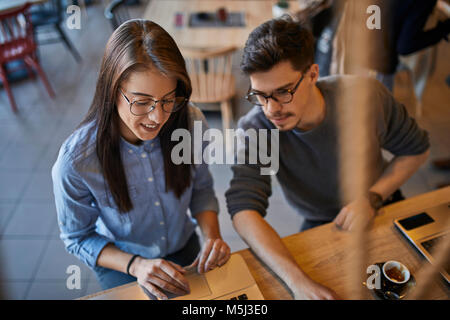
249 188
397 131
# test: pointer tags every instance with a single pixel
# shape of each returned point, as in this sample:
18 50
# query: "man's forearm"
397 173
268 246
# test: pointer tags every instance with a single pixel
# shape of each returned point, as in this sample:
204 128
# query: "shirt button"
143 155
157 203
150 179
163 238
161 223
130 151
152 145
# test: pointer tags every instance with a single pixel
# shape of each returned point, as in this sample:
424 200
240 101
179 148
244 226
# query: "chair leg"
225 108
41 74
227 114
4 78
30 72
68 44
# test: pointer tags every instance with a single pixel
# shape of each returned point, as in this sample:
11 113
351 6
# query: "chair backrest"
117 13
210 73
16 34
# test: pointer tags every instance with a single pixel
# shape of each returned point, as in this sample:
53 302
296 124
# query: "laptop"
232 281
424 230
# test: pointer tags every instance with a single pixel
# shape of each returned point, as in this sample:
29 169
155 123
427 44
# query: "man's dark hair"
278 40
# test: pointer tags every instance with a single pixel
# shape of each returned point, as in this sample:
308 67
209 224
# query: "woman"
121 202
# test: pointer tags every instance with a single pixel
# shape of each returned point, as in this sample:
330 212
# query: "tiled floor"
33 260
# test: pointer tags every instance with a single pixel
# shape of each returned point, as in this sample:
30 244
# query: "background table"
256 12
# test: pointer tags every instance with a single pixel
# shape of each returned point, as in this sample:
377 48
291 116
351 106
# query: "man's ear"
314 72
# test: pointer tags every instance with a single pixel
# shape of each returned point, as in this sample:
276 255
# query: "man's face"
280 78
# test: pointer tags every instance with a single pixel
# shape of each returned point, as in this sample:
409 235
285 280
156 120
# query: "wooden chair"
212 81
17 42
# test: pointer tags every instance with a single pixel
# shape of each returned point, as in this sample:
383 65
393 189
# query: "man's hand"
157 274
348 217
311 290
215 253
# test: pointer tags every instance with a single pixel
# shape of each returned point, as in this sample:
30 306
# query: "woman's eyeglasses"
147 105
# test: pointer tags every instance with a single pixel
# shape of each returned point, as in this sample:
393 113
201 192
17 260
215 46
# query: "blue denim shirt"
158 224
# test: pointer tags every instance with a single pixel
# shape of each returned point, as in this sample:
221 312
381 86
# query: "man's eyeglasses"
282 96
147 105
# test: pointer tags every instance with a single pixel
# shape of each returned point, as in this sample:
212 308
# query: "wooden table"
324 252
6 5
256 12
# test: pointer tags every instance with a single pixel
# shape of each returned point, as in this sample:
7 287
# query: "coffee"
395 274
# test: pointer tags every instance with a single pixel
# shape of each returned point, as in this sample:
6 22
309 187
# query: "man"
288 96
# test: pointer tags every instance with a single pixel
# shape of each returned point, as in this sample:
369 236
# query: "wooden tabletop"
256 12
6 5
324 253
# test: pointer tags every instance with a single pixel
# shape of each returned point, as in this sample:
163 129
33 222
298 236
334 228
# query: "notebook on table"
232 281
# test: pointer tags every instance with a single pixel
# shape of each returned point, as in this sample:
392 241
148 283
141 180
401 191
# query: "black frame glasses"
150 104
254 97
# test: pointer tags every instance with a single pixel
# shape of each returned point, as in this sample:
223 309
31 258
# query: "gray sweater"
308 166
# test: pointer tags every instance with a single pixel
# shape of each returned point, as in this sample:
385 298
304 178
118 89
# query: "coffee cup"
395 277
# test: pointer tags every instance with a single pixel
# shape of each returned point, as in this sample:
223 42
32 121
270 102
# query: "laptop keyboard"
240 297
431 243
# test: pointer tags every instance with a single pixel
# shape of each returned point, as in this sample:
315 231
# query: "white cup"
399 266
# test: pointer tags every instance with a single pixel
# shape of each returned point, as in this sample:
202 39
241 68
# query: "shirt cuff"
88 249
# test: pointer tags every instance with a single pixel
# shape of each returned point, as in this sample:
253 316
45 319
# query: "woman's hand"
157 274
215 253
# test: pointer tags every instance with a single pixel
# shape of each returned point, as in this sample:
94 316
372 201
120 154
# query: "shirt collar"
147 145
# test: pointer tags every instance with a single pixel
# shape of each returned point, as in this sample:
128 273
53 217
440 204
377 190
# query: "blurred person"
401 32
288 95
122 203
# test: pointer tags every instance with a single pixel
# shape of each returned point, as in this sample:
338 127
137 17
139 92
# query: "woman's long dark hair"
135 46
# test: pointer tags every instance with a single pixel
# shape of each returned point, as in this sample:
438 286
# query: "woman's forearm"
112 257
209 224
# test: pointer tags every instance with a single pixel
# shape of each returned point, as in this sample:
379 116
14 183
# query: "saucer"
381 295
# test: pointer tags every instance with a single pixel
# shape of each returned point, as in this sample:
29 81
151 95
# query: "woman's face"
141 87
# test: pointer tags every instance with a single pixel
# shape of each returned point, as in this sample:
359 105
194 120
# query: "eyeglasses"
282 96
147 105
